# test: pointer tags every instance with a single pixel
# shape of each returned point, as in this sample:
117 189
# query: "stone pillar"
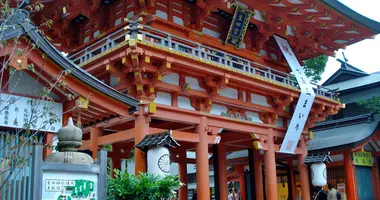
202 163
258 170
350 176
240 170
94 134
141 129
182 167
304 172
223 187
270 169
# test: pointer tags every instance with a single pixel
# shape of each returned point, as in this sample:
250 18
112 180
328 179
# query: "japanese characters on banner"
20 112
304 103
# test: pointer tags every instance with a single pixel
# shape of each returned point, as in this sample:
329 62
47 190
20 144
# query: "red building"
218 93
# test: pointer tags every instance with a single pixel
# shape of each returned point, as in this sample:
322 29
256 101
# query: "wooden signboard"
362 159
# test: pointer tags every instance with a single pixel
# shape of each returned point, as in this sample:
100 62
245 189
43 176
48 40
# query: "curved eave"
351 14
30 30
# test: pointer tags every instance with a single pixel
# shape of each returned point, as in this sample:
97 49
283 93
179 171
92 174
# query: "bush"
143 187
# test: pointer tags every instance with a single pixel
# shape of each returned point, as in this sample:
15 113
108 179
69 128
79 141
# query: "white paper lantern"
318 174
158 161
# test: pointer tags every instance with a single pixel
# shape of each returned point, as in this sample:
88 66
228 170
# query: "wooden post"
94 134
141 128
258 170
350 176
202 163
223 187
376 179
304 173
270 169
240 169
116 158
182 167
48 140
293 180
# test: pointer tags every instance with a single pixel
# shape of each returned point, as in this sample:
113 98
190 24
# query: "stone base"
70 157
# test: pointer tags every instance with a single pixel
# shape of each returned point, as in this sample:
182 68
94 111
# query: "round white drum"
158 159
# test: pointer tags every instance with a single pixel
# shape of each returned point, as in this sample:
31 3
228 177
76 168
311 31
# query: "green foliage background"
372 104
314 67
125 186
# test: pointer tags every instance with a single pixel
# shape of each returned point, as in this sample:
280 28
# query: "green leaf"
314 67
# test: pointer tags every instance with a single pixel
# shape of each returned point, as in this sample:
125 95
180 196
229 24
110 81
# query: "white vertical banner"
305 101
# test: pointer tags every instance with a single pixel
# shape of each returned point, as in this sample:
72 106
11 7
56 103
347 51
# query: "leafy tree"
372 104
314 67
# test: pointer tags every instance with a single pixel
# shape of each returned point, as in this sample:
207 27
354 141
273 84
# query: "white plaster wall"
184 102
163 98
22 83
255 116
279 122
259 99
229 92
177 20
244 96
114 81
210 32
161 14
193 82
172 78
130 15
259 16
218 109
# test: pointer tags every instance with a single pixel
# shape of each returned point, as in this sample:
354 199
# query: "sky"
364 55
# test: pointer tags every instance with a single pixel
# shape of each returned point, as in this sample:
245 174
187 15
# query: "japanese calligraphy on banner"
305 101
238 26
20 112
362 159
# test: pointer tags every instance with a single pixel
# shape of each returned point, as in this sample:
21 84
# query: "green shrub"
125 186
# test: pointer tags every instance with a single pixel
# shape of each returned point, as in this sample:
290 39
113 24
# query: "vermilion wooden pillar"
223 187
304 173
182 167
116 158
270 169
202 163
240 170
376 179
141 129
48 140
350 176
292 180
94 134
258 170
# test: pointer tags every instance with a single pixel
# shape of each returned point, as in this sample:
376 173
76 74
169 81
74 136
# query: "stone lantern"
69 140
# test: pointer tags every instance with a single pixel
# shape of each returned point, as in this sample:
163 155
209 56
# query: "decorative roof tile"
163 139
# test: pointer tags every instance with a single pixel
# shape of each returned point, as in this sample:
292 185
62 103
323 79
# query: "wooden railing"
193 49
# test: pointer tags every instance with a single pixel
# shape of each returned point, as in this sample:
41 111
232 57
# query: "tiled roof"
355 83
343 132
318 157
163 139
